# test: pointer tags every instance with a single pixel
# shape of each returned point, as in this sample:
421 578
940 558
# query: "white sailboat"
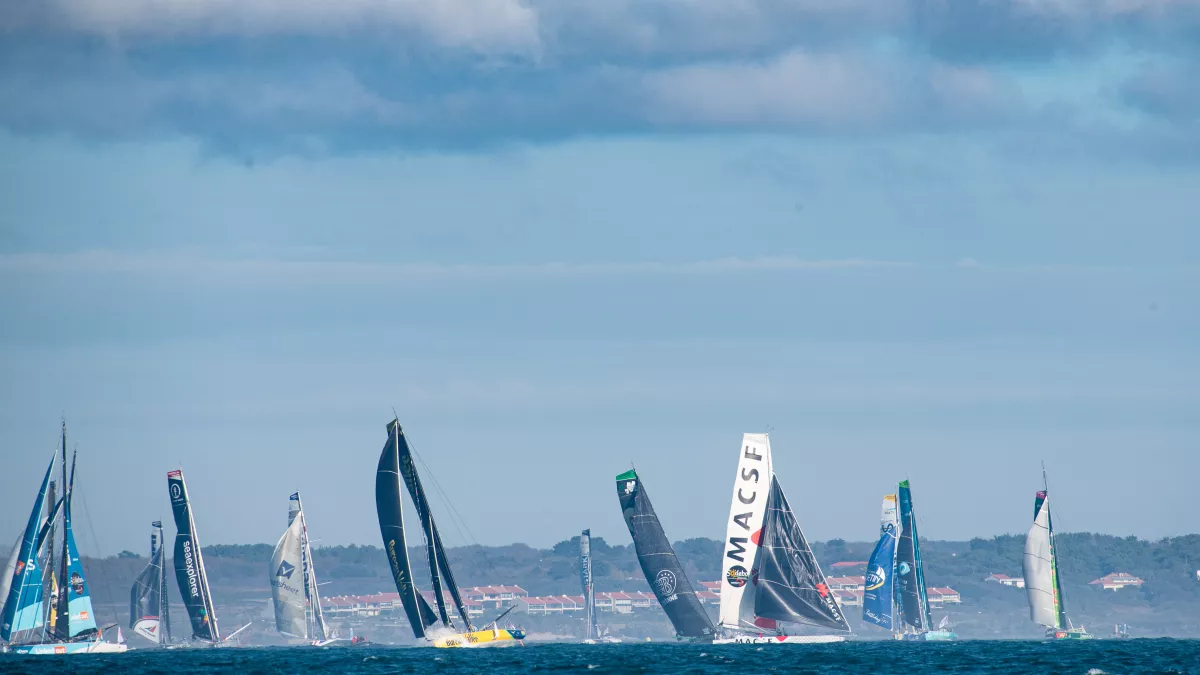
771 574
294 582
1042 584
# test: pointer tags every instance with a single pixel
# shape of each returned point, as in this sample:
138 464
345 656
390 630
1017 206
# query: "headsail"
743 531
879 588
147 598
23 607
910 575
1041 574
658 561
189 564
81 617
585 577
288 582
390 508
10 568
889 515
791 586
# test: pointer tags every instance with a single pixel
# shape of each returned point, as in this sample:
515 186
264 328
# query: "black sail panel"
791 586
910 585
189 570
439 566
659 563
389 507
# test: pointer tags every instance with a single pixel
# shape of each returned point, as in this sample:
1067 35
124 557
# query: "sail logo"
190 570
285 570
176 491
665 583
629 486
737 576
903 568
876 578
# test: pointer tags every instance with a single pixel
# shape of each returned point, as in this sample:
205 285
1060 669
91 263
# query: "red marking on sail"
763 622
756 537
781 638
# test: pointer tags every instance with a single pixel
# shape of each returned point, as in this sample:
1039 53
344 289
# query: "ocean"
1116 657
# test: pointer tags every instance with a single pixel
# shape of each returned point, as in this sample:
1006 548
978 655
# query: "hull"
1070 634
479 638
54 648
932 636
780 640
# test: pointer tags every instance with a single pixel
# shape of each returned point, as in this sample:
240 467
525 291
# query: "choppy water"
1077 658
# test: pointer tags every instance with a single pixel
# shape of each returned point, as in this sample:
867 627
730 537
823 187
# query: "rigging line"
87 513
456 517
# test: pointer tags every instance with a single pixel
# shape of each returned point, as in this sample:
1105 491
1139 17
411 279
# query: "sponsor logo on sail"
737 576
285 570
190 569
876 578
903 569
665 583
629 486
176 491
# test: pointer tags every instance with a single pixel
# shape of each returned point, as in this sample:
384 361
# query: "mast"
310 577
51 583
164 597
1059 601
62 622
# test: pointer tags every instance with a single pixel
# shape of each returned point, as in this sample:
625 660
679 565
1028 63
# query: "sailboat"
149 613
1042 583
395 463
772 574
294 582
659 564
189 567
67 623
895 595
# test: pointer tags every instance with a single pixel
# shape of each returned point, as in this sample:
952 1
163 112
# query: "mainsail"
659 564
1041 572
879 588
293 580
772 574
395 463
148 611
910 574
743 532
889 515
23 608
189 564
791 586
585 577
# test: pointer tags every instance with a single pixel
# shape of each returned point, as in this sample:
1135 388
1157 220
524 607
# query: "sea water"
1096 657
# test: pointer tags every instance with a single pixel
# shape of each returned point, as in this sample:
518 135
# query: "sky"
946 241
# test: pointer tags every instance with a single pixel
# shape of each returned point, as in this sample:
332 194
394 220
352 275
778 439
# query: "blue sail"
23 608
79 602
880 582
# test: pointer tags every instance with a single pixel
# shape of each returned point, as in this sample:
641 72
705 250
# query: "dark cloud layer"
307 76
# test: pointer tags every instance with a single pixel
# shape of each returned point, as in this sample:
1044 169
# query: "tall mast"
62 626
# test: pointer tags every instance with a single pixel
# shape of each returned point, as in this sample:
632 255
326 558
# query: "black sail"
439 566
189 564
791 586
658 561
390 508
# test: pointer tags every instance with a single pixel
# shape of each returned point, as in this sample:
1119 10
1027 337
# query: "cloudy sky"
942 239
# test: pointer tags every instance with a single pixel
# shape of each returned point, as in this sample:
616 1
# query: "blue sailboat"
895 596
63 620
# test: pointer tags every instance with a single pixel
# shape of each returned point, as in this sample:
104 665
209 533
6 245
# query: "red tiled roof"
711 585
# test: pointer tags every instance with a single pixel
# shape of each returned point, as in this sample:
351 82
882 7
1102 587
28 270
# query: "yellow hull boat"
480 637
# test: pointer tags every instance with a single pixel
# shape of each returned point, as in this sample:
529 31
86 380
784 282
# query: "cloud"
269 77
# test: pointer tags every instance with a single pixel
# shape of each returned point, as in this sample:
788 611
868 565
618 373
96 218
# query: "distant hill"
1168 603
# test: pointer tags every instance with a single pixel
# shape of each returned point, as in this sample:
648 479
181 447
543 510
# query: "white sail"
889 514
1039 570
288 580
10 569
743 531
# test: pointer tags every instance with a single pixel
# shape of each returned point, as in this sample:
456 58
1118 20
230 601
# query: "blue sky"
939 240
